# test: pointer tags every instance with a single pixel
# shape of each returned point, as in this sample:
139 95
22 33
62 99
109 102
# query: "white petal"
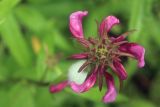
74 75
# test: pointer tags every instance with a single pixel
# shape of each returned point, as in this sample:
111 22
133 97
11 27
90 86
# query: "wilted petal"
118 39
100 77
84 66
111 93
79 56
84 42
86 85
136 50
121 37
75 23
92 41
107 24
120 70
58 87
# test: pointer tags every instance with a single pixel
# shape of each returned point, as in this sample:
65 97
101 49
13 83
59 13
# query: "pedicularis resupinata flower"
100 54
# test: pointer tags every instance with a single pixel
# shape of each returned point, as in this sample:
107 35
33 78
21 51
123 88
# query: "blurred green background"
35 42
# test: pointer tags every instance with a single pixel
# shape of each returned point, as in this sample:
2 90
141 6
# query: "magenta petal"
120 70
111 93
118 39
107 24
121 37
136 50
80 56
58 87
86 85
100 76
75 23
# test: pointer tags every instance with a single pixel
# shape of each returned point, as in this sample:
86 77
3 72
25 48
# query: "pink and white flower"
100 54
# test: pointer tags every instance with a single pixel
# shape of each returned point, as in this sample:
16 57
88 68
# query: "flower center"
101 52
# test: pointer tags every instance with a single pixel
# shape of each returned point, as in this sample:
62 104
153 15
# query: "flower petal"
84 42
111 93
136 50
120 70
79 56
100 77
107 24
121 37
76 23
86 85
84 66
58 87
74 75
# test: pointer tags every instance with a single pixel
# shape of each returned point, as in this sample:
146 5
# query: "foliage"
35 42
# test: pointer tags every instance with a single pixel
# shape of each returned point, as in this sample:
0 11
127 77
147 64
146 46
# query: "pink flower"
100 54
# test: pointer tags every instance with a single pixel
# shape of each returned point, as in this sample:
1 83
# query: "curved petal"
118 74
111 93
136 50
107 24
86 85
84 42
120 70
75 23
118 39
74 75
79 56
121 37
100 77
58 87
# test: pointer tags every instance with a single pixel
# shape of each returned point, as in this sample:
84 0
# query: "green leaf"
11 34
38 1
4 97
53 74
20 95
24 14
136 18
45 71
6 6
138 103
42 27
55 8
64 44
151 53
43 98
154 32
155 87
109 8
7 67
41 65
